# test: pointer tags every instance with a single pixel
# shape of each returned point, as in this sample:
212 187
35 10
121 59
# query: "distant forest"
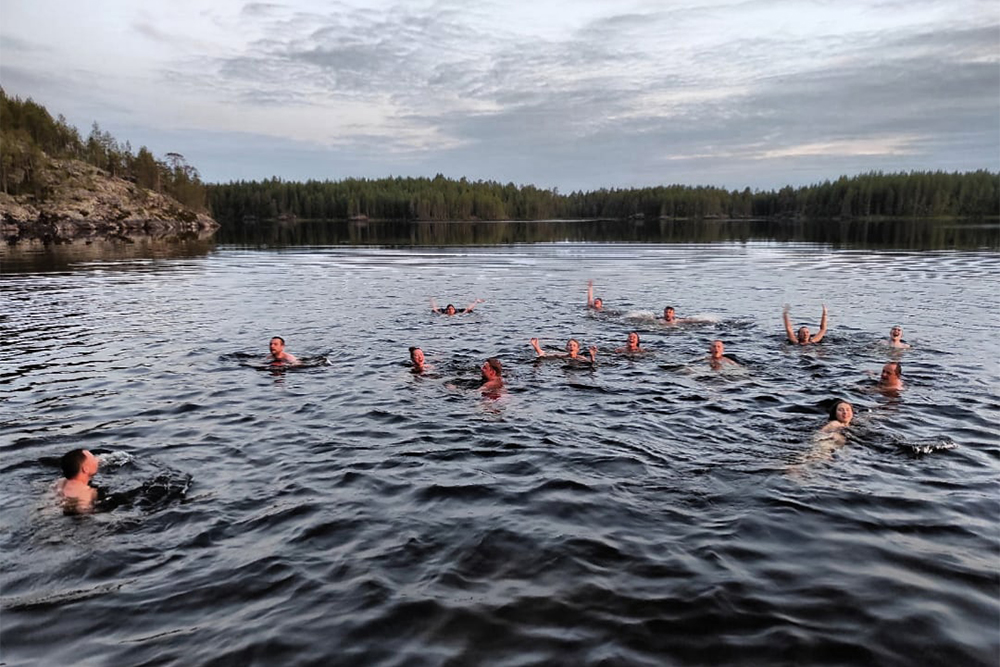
29 135
914 194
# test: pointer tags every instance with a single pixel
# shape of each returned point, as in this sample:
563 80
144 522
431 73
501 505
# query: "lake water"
647 511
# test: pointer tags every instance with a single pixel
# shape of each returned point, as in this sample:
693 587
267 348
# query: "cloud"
589 98
151 32
256 9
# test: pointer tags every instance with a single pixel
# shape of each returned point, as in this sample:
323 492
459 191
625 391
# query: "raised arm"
788 326
434 306
538 348
590 294
593 354
822 327
468 309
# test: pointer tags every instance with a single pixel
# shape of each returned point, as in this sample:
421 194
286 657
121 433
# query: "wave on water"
130 482
260 361
923 447
58 599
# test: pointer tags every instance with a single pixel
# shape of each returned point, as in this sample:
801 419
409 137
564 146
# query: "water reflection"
29 256
898 234
35 255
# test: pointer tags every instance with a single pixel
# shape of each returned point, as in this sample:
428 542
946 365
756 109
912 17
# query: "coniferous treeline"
913 194
29 135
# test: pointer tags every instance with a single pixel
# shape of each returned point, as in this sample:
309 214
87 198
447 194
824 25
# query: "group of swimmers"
492 368
79 465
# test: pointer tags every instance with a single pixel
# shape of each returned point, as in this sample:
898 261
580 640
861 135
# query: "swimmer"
278 354
802 337
717 356
896 338
830 437
417 359
670 318
841 415
892 377
451 310
492 372
631 345
572 351
78 466
595 304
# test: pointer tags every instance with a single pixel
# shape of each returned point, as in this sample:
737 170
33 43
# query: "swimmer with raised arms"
572 351
451 310
802 336
592 303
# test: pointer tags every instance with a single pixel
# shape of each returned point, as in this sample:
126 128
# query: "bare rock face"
81 200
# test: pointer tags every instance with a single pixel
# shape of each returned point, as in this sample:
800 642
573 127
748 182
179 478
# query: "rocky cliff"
81 200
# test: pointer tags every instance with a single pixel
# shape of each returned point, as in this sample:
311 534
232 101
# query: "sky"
574 95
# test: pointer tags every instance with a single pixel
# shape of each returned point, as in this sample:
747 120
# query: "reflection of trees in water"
37 255
889 233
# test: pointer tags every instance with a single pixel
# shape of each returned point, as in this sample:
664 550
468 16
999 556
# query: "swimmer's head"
892 373
417 356
802 335
449 309
842 412
598 304
717 349
668 314
633 340
277 345
896 333
79 460
492 369
573 347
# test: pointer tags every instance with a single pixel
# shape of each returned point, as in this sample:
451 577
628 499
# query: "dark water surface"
650 511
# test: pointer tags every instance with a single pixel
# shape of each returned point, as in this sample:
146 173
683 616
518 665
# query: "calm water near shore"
648 511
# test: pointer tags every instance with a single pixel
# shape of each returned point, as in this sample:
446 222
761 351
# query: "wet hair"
495 364
572 340
637 338
798 333
450 306
72 462
833 408
897 368
279 338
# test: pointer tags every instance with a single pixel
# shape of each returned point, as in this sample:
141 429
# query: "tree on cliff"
29 137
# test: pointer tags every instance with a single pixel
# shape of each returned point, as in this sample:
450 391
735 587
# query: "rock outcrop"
81 200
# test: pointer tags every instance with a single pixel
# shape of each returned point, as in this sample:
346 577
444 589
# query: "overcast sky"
575 94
